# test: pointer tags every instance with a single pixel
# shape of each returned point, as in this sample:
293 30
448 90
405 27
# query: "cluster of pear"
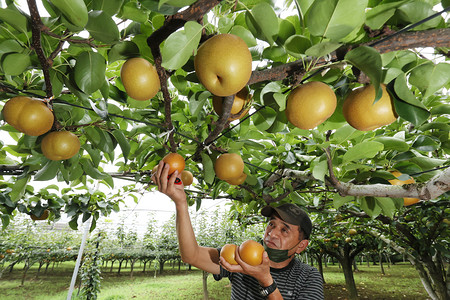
225 71
310 104
176 162
230 168
33 117
222 69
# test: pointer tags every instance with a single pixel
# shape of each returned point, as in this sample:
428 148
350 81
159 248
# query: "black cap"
292 214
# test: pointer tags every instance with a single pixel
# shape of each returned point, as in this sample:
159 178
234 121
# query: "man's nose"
273 233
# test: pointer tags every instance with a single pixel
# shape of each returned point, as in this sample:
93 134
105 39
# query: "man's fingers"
173 177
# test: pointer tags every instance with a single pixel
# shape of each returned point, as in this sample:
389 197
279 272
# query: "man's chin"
271 245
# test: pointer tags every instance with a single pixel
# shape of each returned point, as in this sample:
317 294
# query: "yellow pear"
362 114
140 79
310 104
223 64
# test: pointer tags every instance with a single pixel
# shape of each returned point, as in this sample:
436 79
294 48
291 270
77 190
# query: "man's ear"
302 246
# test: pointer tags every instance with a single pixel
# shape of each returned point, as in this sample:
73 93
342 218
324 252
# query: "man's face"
281 235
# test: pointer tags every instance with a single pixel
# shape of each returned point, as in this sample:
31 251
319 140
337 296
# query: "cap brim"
268 211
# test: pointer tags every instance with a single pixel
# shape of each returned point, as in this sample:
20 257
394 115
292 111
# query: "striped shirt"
295 281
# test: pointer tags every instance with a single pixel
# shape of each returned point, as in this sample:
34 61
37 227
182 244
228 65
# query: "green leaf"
296 45
253 145
224 25
123 51
392 143
345 133
74 10
11 16
370 206
339 200
366 149
90 71
415 11
5 220
263 22
280 99
331 18
441 109
133 11
123 143
110 7
285 30
94 153
180 82
177 3
15 63
244 34
102 27
377 16
264 118
19 187
430 78
48 171
198 101
387 206
100 139
181 45
322 49
427 163
406 104
9 46
208 168
368 60
155 6
90 170
320 170
73 223
426 143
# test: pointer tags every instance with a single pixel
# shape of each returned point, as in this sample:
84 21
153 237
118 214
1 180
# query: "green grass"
400 282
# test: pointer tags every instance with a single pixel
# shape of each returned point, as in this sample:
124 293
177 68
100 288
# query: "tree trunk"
161 266
205 285
120 266
388 260
320 266
41 263
380 257
112 264
132 262
355 266
349 279
26 267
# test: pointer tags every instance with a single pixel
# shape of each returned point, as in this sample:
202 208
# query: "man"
279 276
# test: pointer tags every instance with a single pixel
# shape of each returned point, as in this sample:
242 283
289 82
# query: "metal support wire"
410 27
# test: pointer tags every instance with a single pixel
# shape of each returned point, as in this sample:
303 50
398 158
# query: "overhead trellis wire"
390 36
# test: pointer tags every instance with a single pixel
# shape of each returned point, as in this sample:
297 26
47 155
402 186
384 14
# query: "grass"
400 282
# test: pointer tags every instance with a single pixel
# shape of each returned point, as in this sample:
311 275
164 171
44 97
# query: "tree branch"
172 24
36 44
432 189
227 104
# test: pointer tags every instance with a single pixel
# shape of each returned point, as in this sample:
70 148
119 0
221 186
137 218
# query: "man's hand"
168 186
260 272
